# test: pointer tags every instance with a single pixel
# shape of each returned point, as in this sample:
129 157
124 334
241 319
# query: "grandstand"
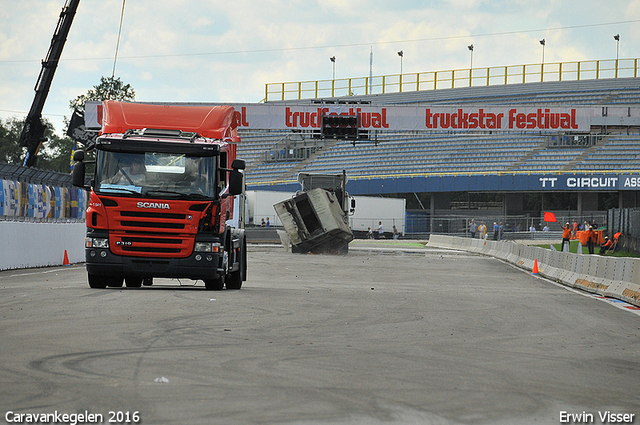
413 163
422 152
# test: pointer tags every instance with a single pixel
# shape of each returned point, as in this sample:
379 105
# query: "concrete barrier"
612 277
30 244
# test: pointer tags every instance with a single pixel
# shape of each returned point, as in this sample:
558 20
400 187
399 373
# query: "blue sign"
483 183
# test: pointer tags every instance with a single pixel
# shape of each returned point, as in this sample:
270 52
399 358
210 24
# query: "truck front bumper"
199 265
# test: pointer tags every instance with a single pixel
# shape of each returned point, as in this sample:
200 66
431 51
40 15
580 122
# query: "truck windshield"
155 174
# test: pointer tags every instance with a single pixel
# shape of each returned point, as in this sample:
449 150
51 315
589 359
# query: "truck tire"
133 281
95 281
115 281
214 284
236 277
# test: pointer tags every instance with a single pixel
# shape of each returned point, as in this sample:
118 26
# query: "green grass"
390 242
573 247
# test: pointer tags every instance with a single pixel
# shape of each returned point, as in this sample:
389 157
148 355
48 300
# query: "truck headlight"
96 243
206 247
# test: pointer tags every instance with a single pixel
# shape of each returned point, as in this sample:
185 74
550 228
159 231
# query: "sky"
214 51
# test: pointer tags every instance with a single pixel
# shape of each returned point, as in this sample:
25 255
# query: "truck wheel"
96 281
133 281
214 284
235 280
115 281
236 277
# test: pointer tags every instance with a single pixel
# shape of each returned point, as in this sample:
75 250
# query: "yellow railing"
435 80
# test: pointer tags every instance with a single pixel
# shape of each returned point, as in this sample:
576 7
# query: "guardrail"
612 277
40 244
455 78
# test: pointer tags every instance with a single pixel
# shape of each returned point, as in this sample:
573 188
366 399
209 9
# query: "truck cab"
162 198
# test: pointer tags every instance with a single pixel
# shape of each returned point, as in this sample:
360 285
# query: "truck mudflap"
315 222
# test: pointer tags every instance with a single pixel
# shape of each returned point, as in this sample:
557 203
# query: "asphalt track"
387 334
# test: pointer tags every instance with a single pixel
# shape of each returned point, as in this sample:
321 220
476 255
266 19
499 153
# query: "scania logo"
158 205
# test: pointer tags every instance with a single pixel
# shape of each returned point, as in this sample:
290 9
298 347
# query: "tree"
55 154
10 150
110 88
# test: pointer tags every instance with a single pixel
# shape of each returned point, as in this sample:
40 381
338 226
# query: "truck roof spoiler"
215 122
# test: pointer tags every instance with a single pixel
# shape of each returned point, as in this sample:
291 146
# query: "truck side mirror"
77 178
238 164
236 182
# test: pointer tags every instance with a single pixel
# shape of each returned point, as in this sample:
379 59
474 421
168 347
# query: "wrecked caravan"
317 218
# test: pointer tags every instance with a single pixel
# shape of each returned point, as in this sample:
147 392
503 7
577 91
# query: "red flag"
550 217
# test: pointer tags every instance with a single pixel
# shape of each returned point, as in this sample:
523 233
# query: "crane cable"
113 74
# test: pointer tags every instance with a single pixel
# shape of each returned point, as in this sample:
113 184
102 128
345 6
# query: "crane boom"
32 135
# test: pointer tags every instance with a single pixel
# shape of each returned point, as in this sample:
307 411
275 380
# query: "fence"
627 221
34 175
456 78
30 194
419 224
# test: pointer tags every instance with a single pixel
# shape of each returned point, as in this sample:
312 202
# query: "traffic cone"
65 262
535 266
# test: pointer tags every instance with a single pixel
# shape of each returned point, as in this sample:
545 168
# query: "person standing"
496 231
473 228
591 240
483 230
380 230
566 236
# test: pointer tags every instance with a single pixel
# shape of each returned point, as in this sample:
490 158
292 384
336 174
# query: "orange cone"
535 266
65 262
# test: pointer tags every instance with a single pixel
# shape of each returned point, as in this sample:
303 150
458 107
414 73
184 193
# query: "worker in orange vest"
606 246
591 240
616 240
566 235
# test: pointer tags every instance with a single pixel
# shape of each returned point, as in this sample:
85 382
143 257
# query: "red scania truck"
161 200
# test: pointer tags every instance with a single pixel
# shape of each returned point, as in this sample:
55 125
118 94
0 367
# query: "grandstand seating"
403 153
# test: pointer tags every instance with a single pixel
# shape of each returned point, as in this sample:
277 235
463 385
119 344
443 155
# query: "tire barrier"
611 277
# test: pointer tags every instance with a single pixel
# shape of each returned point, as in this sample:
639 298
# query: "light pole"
333 64
617 38
401 54
470 47
543 42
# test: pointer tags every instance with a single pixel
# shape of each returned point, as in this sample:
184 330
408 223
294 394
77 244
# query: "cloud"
203 50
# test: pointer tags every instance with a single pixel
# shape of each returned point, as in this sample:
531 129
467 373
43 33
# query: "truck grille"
144 233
